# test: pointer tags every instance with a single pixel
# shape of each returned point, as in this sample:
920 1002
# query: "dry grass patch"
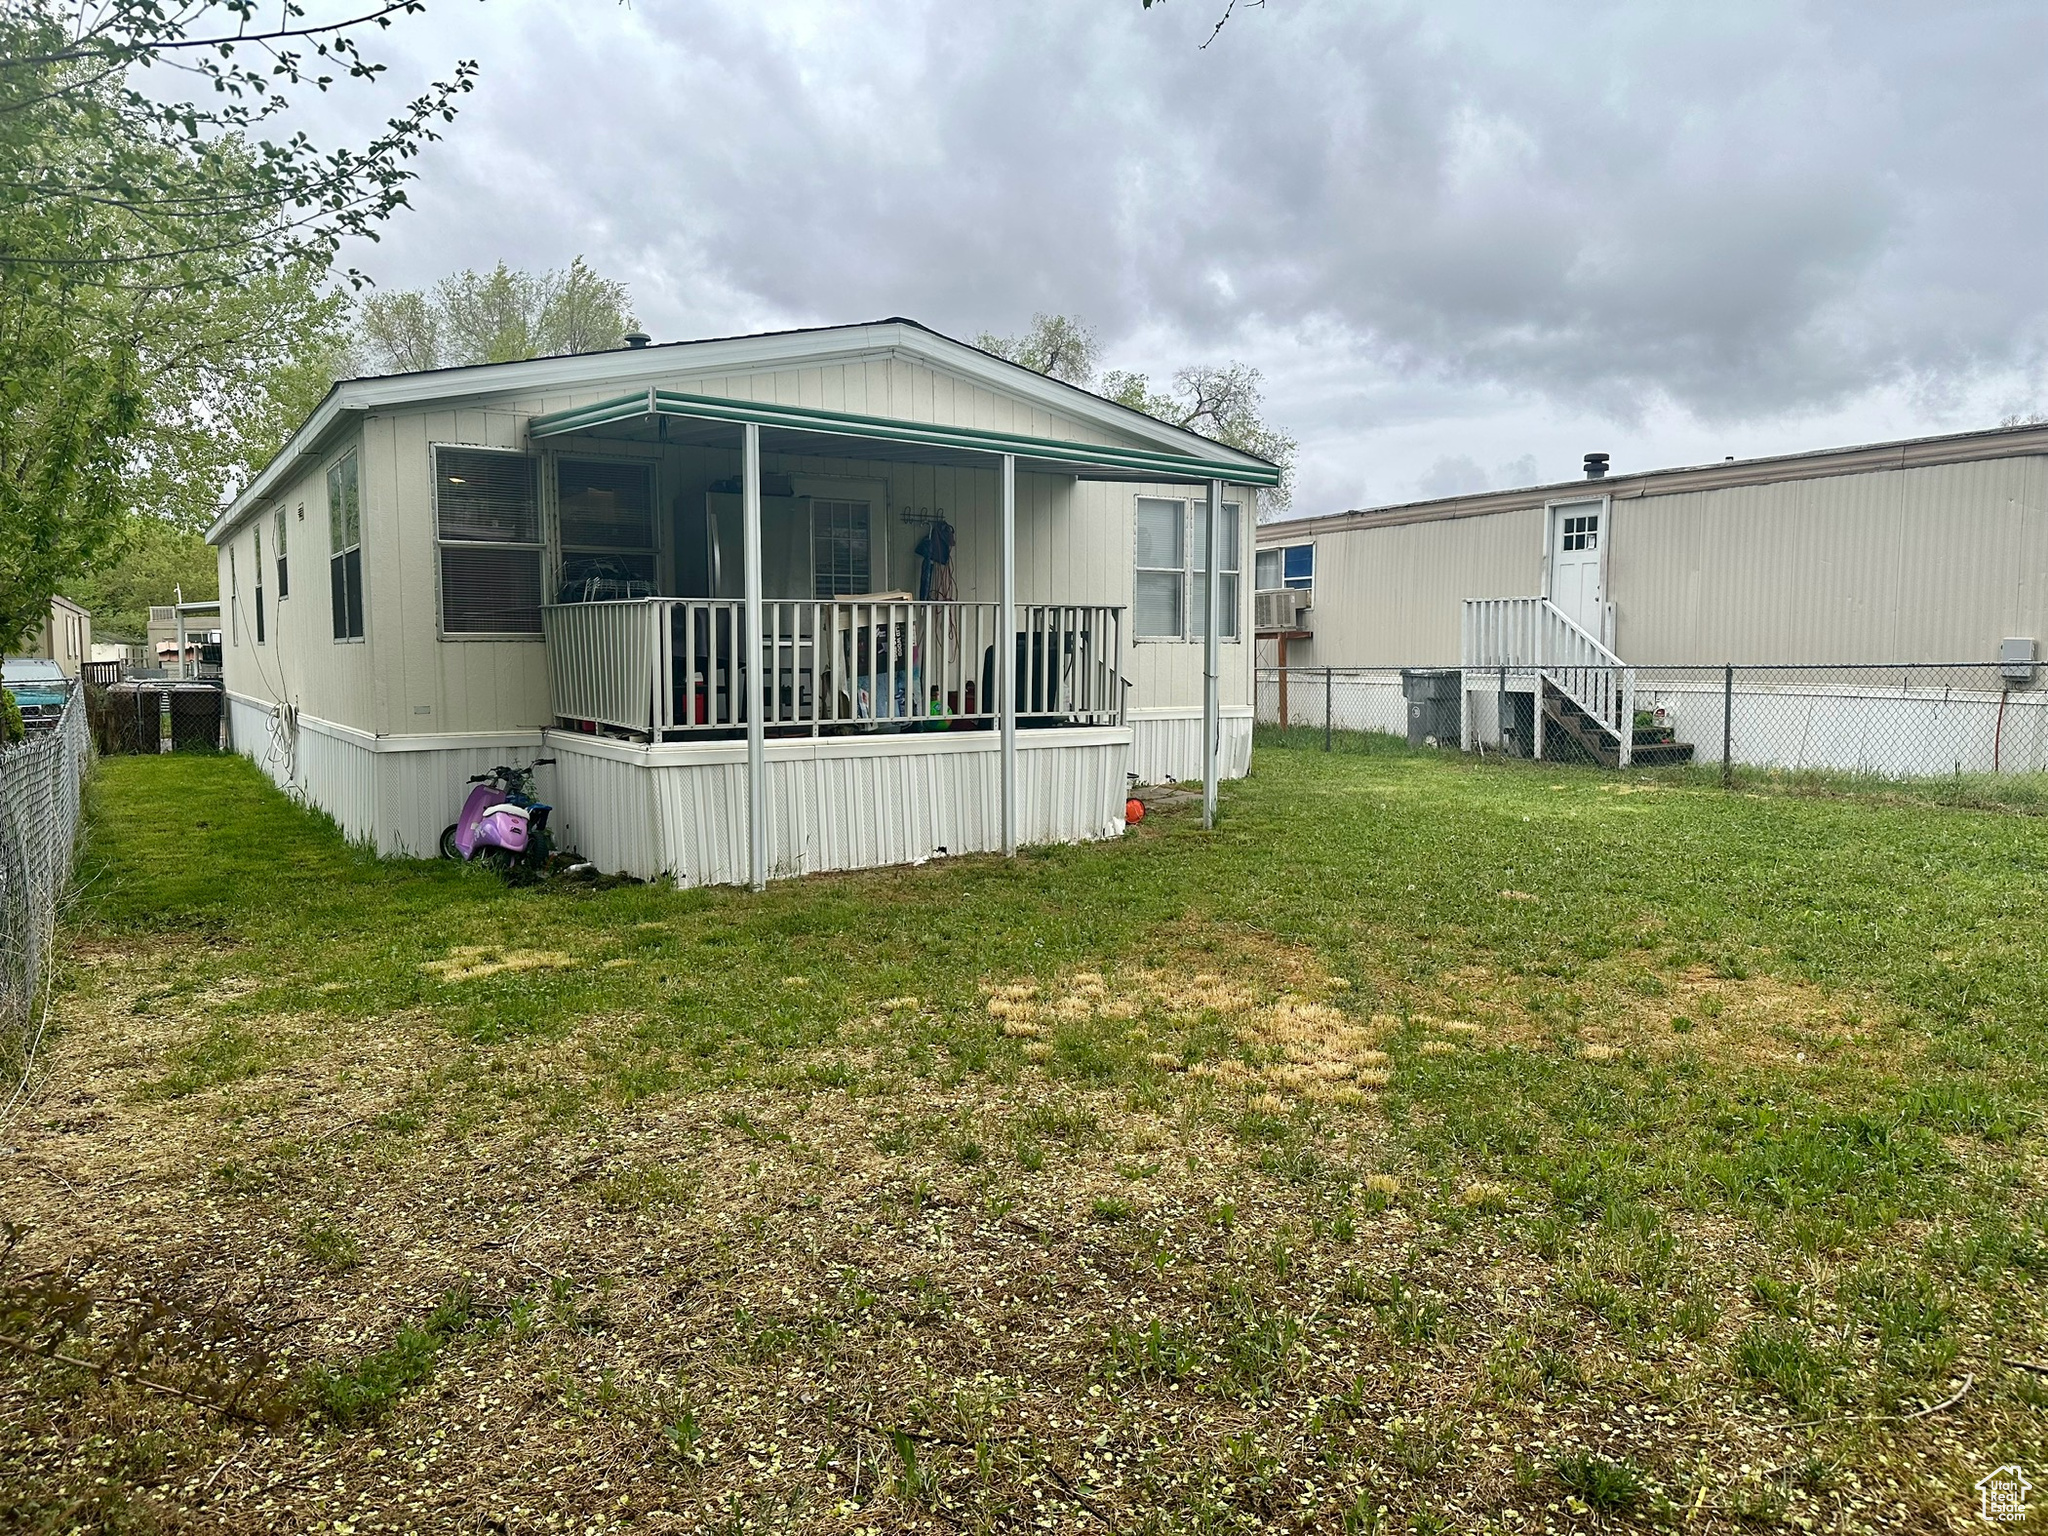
1277 1008
1628 1001
468 962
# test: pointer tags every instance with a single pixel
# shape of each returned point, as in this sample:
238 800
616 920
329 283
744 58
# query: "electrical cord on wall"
283 748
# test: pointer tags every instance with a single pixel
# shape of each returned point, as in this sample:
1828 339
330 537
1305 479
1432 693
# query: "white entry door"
1577 531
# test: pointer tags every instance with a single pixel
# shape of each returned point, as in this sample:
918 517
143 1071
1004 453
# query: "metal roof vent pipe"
1596 466
638 339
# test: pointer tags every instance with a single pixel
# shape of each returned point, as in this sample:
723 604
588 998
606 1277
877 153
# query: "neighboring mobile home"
568 556
1933 550
65 637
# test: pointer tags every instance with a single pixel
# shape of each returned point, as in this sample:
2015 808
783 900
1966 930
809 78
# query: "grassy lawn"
1437 1147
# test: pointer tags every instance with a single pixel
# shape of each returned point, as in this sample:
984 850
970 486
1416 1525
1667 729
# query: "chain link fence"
41 788
147 716
1891 723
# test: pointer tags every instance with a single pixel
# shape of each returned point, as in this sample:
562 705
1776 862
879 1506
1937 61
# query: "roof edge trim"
659 402
737 354
1814 464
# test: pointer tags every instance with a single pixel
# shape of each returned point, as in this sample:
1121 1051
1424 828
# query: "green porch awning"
655 414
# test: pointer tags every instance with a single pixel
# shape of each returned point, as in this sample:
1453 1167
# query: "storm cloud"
1452 235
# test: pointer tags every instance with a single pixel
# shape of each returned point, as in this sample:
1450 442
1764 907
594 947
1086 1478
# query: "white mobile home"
811 600
1929 551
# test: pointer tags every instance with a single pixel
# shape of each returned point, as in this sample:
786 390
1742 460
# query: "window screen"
487 515
605 518
1161 583
345 543
841 559
605 506
488 590
1266 570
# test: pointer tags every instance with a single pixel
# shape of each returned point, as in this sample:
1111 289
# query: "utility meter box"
2016 659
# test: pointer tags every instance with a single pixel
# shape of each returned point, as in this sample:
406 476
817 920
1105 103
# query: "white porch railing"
1533 634
659 667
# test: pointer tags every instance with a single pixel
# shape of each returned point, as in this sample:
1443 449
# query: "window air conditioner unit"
1281 608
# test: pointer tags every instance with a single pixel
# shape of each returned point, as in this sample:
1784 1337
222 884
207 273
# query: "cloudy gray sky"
1465 242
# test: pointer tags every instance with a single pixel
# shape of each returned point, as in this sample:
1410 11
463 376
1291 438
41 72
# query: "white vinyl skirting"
859 802
680 810
392 793
1166 745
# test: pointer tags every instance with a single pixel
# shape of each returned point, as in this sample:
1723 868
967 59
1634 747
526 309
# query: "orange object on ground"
1134 811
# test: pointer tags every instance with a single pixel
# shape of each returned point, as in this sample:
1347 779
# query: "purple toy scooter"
502 821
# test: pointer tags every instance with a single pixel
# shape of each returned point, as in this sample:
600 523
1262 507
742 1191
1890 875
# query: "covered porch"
797 666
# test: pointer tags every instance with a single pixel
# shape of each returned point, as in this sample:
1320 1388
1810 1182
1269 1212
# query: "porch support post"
751 672
1212 703
1006 654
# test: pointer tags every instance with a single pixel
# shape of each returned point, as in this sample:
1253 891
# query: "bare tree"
1229 10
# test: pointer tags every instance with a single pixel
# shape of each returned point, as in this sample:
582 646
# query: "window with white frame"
1159 592
487 522
1170 594
1227 569
1291 566
234 603
842 548
284 585
345 547
604 518
258 534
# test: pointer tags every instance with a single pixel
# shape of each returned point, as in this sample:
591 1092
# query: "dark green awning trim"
662 402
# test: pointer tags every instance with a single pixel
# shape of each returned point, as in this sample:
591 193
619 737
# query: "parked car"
40 690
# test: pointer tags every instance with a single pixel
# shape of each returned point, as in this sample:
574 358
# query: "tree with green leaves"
500 316
1223 402
1057 346
150 561
227 384
142 234
250 365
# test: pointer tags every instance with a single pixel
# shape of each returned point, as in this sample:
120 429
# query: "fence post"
1628 716
1500 714
1329 704
1728 725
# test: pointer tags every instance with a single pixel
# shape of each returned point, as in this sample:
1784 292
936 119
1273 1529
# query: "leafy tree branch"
164 258
1222 402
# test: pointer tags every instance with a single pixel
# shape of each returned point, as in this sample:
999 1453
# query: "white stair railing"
1534 634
